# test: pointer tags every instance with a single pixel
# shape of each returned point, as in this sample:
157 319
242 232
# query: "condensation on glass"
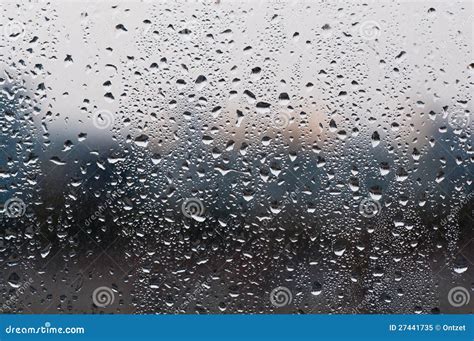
236 157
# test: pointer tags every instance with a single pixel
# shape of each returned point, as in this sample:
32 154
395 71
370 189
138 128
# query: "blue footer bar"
237 327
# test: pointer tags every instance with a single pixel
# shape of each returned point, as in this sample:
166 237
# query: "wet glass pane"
236 157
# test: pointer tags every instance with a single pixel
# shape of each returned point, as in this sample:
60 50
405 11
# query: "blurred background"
236 157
